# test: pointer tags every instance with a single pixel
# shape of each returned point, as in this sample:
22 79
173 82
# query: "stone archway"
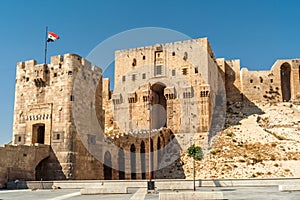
107 170
159 103
285 78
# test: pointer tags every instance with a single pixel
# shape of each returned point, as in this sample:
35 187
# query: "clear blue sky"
257 32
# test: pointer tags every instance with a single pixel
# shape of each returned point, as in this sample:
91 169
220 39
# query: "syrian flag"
52 37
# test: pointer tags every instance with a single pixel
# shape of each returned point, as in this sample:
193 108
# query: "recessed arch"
143 159
151 157
121 164
159 103
285 78
107 170
133 161
158 156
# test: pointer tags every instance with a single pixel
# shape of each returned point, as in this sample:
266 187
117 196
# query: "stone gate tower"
43 115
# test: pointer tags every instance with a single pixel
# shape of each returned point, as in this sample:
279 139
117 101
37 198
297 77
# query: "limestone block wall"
260 86
19 162
43 113
180 68
233 80
271 85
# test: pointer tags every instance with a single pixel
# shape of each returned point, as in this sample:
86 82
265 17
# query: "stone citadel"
176 92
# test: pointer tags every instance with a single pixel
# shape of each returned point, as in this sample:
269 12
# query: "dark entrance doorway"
285 78
107 170
38 133
121 163
143 160
152 157
133 161
159 106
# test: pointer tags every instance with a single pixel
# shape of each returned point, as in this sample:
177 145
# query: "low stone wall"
80 184
246 182
19 162
3 177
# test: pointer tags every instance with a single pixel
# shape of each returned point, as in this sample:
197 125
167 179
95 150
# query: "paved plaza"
269 192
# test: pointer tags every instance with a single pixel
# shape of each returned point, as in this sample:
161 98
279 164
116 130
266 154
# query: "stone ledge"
104 190
190 195
81 184
287 188
174 185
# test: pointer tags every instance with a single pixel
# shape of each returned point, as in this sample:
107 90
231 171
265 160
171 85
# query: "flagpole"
46 43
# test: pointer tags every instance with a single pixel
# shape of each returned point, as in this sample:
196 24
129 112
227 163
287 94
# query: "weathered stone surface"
58 104
190 195
288 188
104 190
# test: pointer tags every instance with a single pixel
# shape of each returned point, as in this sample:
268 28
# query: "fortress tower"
44 99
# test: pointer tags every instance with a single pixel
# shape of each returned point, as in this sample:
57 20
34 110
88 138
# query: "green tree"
196 153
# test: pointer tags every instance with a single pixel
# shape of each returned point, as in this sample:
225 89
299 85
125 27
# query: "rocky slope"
259 141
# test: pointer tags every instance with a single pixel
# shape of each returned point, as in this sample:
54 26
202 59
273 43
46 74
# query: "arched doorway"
107 170
133 161
143 160
38 133
158 152
152 160
121 163
159 106
41 170
285 78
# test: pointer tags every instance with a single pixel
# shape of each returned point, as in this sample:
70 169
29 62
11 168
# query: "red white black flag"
52 37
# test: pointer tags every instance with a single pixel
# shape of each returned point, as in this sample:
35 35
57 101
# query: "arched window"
134 62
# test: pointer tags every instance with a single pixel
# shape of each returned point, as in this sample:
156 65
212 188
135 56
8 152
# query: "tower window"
70 73
185 57
173 53
55 74
261 79
144 57
134 62
91 139
184 71
251 80
133 78
72 98
58 136
173 72
123 78
271 80
19 138
196 70
144 76
158 70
